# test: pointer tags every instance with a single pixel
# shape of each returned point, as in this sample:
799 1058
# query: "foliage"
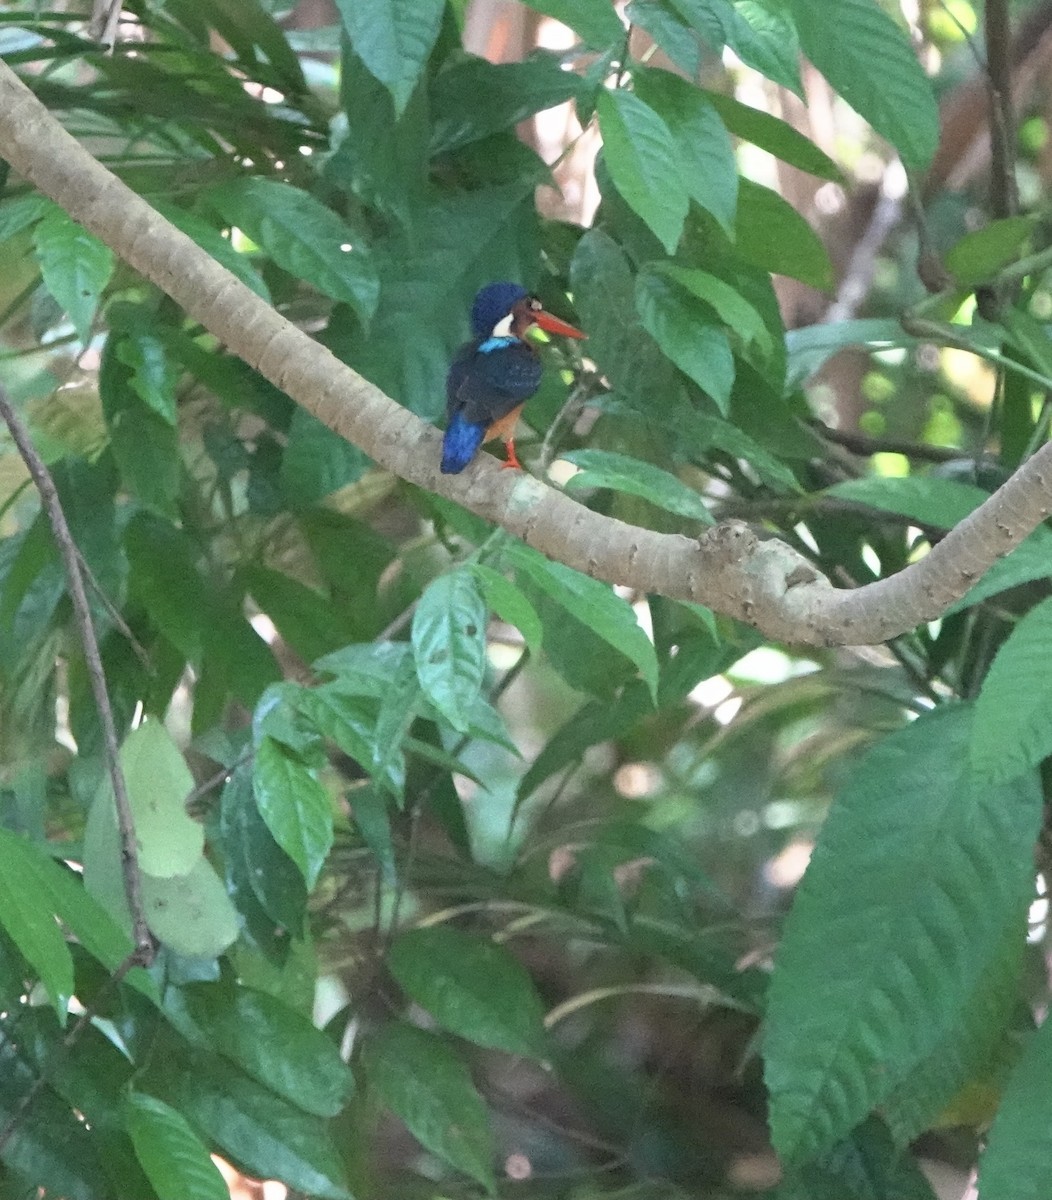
520 844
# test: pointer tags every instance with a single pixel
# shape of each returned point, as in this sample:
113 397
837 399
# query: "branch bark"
765 583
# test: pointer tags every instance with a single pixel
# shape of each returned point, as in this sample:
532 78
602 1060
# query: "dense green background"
465 867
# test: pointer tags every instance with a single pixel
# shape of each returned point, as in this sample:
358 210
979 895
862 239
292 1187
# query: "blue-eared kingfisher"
492 376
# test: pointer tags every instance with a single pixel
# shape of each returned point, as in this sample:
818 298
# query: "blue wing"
484 385
460 443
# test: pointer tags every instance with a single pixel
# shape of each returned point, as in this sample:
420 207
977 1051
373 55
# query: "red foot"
513 459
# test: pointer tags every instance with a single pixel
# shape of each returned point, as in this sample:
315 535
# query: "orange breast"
504 427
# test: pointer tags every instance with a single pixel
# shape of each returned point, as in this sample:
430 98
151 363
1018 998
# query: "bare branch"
766 584
143 952
1004 200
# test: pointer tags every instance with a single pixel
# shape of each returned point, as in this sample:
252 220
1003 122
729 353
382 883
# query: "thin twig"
143 952
115 615
1004 198
860 443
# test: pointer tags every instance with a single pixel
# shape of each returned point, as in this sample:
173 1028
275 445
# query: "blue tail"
460 444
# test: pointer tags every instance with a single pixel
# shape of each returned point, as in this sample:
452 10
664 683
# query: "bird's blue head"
492 304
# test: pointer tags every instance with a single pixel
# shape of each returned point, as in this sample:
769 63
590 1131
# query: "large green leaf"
159 783
215 244
733 309
706 156
472 987
472 98
687 332
760 32
175 1160
510 604
317 461
1014 1165
1030 560
425 1084
274 1044
27 914
19 212
593 603
191 912
926 499
672 34
75 265
255 864
449 644
295 806
810 348
919 868
979 255
164 579
846 40
644 163
145 445
248 1123
595 21
394 39
774 135
772 234
1012 731
303 237
604 469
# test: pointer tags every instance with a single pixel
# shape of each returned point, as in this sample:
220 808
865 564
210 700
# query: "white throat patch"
502 329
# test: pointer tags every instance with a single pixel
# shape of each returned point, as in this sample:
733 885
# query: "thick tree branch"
766 583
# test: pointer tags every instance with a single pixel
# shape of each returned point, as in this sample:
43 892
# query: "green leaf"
774 135
758 31
159 782
593 603
164 579
509 603
470 98
1030 336
27 914
594 21
19 212
191 913
770 233
763 36
255 863
1012 731
212 241
706 157
449 644
1014 1165
273 1043
811 348
602 468
978 256
926 499
153 375
145 446
75 265
472 987
264 1134
175 1160
671 34
317 462
1030 560
686 332
302 236
425 1084
845 39
932 862
352 721
643 160
727 302
295 806
394 39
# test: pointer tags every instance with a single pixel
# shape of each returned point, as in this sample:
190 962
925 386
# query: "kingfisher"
492 376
